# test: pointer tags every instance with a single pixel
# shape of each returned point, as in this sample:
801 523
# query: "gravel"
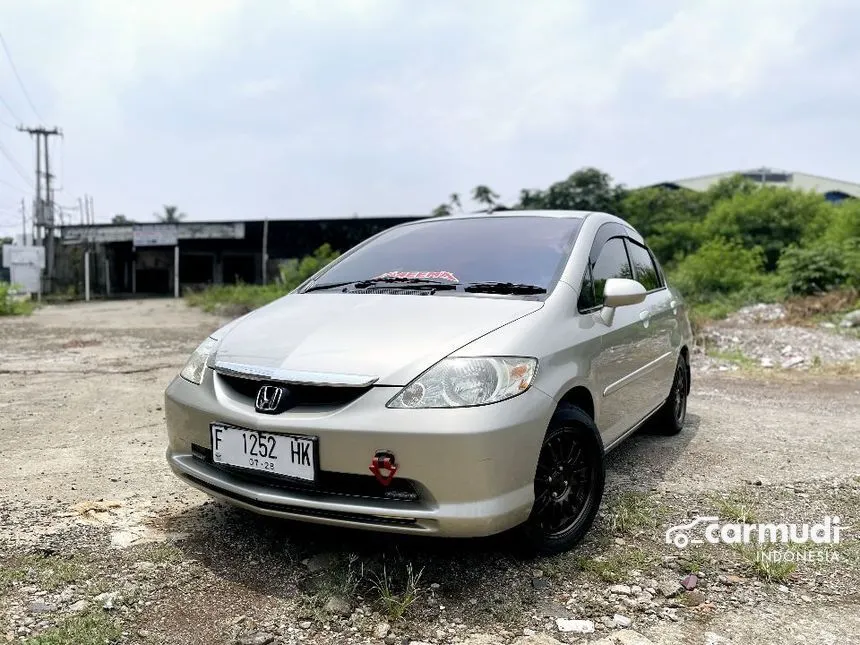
283 584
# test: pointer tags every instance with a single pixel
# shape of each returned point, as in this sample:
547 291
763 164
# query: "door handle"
645 317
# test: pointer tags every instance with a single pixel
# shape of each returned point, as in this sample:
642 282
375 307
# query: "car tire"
569 480
670 418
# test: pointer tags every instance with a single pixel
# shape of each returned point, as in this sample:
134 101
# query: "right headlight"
465 382
196 364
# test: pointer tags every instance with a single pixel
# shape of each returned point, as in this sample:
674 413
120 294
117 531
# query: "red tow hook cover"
383 467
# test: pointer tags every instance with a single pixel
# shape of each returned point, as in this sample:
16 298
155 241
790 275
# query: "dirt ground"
98 536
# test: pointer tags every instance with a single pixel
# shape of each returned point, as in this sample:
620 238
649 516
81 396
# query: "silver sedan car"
456 376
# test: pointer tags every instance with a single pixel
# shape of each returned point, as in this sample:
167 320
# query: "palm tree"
455 201
171 215
485 195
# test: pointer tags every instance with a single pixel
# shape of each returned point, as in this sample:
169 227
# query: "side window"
644 269
611 263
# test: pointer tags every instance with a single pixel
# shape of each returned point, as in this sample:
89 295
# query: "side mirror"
618 292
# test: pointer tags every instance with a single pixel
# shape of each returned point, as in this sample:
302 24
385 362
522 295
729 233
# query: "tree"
441 210
120 219
588 189
670 219
485 195
454 200
171 215
771 218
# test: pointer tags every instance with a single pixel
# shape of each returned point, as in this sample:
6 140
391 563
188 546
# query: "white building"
832 189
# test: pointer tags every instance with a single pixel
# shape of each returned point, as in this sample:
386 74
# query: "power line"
15 165
20 82
9 109
13 186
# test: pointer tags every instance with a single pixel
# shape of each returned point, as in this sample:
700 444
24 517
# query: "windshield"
523 250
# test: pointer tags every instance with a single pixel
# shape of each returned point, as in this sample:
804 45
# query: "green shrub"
10 305
294 272
821 267
718 268
769 218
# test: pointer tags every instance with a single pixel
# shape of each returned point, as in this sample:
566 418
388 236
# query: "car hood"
389 337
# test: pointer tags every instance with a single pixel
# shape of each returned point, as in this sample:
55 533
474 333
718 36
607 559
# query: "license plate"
277 454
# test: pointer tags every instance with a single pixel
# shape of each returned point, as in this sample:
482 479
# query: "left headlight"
196 364
464 382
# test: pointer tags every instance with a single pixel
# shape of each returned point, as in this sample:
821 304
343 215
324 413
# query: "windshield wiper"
419 283
504 288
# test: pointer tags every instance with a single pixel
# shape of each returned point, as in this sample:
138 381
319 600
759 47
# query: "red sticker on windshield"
412 275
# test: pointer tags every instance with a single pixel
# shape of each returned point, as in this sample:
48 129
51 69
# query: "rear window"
527 250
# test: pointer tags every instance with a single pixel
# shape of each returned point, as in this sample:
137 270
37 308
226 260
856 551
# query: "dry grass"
810 310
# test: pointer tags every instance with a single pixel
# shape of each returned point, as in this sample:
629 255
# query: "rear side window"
611 263
644 269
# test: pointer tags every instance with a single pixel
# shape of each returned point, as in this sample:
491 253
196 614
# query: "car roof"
522 213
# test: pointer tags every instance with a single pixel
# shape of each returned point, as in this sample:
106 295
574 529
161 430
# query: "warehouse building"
833 190
167 259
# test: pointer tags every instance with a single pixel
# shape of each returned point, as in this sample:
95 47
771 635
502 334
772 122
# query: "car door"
624 399
659 320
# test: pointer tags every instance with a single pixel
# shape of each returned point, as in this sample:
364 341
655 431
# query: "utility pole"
23 223
43 212
265 247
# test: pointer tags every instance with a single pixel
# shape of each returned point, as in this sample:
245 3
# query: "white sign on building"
155 235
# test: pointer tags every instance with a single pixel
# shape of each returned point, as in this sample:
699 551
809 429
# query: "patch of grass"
50 572
10 574
614 568
162 553
770 570
733 356
632 512
737 508
239 298
397 598
694 561
12 303
96 628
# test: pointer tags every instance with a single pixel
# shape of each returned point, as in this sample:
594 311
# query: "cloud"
303 108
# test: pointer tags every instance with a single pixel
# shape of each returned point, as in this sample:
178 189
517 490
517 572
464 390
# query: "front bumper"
472 468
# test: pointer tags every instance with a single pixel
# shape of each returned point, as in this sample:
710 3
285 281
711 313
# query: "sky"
244 109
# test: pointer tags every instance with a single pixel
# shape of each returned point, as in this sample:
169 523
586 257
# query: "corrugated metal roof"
773 177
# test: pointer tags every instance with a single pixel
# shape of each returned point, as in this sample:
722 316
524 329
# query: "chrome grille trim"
296 377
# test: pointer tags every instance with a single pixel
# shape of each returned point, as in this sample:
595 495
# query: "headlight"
463 382
193 370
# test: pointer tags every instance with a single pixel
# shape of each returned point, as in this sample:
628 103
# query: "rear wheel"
568 483
669 420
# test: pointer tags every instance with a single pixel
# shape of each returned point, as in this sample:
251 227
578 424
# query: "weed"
396 599
95 628
737 509
768 569
614 568
733 356
162 553
631 513
694 561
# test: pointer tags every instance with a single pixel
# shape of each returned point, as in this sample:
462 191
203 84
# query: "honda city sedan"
454 376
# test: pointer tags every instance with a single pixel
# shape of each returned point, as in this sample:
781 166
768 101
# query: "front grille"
308 512
327 483
298 395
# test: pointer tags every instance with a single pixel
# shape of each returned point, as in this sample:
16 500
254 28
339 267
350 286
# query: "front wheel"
568 484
